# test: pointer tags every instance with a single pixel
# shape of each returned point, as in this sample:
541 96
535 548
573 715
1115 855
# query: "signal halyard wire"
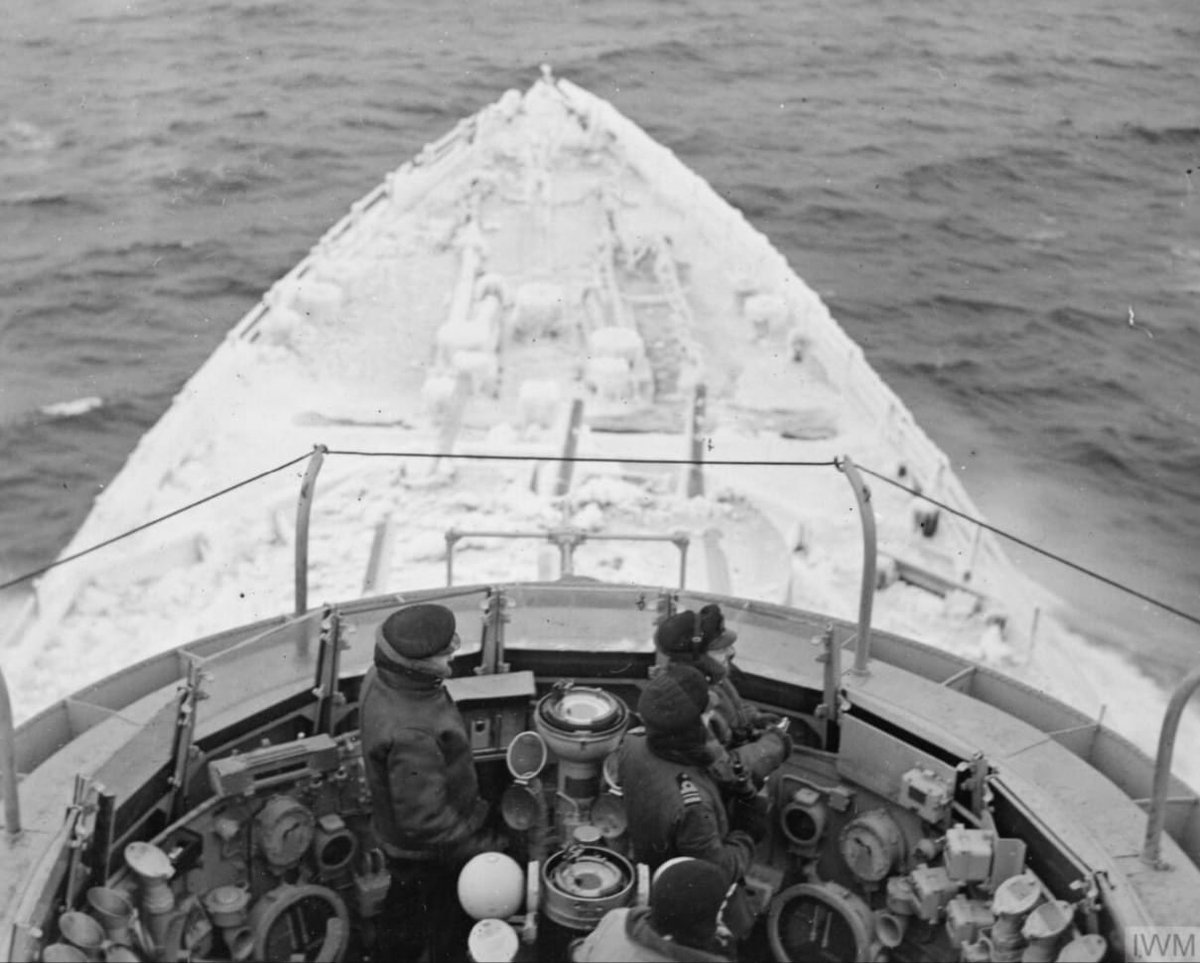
585 459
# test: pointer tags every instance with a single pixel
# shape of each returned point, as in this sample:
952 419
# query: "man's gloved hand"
743 790
751 816
485 840
783 739
767 720
769 750
492 841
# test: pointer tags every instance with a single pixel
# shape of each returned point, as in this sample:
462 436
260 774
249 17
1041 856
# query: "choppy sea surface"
999 201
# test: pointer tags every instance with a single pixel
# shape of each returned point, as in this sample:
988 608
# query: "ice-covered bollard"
798 343
925 517
617 342
961 605
493 285
437 394
993 647
487 314
481 369
538 402
318 301
279 325
887 572
538 311
610 379
766 314
454 337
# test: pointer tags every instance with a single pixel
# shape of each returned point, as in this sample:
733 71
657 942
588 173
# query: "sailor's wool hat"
685 897
416 632
675 700
687 633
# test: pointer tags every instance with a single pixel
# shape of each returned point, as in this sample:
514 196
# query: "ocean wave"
759 201
1112 62
1020 77
23 137
968 226
207 183
63 464
1156 470
1087 390
182 126
999 58
851 215
955 371
86 277
1072 318
56 201
363 121
73 408
962 307
1168 135
1004 173
322 79
261 11
669 53
1099 454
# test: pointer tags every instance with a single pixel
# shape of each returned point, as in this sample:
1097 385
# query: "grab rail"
866 597
8 763
303 514
1162 767
567 540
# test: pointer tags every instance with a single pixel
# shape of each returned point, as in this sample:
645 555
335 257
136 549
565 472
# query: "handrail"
1162 767
863 642
8 763
303 514
866 597
567 539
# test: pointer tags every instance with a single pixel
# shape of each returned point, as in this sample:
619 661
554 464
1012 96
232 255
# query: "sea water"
999 201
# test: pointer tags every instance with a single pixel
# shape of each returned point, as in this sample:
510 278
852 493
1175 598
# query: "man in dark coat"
675 806
426 809
679 925
756 747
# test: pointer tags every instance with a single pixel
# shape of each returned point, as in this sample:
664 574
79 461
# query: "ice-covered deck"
545 250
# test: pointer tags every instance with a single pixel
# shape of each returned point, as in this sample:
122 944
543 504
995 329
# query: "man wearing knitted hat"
679 925
756 746
426 809
675 806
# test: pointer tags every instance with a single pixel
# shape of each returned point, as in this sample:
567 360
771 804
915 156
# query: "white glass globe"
491 886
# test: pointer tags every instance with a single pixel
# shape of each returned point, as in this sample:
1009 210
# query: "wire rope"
592 459
154 521
1187 616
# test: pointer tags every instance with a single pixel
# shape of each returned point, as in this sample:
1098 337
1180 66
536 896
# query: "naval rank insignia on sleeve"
688 791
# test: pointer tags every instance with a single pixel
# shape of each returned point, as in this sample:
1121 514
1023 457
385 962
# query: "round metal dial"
871 844
286 829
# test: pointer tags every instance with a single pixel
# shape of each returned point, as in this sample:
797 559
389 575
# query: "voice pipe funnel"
115 912
83 933
152 868
890 928
226 906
